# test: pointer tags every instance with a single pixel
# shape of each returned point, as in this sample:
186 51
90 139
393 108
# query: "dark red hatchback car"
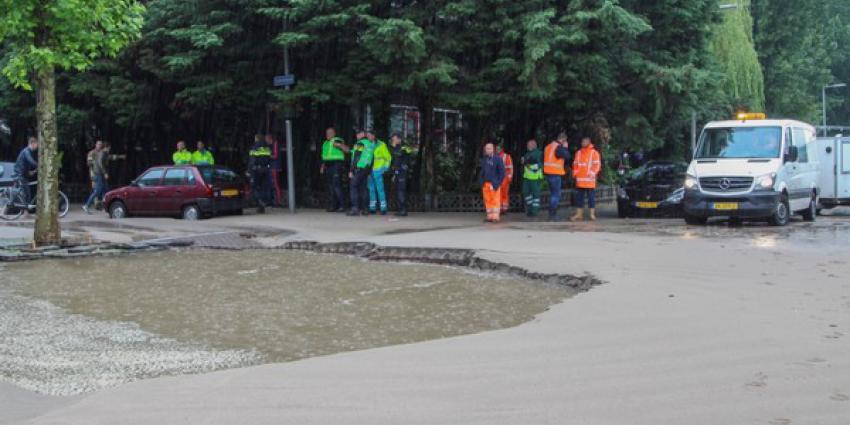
187 191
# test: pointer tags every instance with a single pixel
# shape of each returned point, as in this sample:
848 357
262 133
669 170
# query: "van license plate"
230 192
724 206
647 205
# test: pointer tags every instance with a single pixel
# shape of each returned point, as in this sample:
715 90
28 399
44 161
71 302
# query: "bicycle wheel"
64 205
8 210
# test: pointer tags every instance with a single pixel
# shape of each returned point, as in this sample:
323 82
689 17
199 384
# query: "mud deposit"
78 325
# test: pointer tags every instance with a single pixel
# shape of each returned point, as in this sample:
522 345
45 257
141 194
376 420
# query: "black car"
655 188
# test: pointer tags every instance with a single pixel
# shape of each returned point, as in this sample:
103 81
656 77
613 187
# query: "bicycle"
12 205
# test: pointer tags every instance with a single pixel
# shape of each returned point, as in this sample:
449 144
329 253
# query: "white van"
834 153
755 169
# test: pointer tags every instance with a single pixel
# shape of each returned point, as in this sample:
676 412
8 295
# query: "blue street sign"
284 80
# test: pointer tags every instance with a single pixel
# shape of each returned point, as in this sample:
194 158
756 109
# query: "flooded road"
217 309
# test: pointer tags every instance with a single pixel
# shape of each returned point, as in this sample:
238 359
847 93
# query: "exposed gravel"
48 351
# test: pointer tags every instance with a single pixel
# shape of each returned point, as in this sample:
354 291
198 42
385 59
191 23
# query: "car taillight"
210 191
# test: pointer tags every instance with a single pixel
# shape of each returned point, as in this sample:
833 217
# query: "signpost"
285 80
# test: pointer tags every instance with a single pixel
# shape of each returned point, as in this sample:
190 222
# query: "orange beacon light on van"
749 116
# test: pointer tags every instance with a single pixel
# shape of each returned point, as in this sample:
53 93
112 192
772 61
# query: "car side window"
151 178
174 177
190 178
800 139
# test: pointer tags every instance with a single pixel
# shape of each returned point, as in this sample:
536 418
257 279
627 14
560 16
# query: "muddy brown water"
285 305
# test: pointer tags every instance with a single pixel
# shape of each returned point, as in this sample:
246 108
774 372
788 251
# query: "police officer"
361 168
202 156
26 168
182 156
333 159
259 169
402 158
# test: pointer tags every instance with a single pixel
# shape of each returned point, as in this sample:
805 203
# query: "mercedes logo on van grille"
725 184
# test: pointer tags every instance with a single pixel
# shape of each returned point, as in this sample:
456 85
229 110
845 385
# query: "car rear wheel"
191 212
695 221
812 211
782 214
117 210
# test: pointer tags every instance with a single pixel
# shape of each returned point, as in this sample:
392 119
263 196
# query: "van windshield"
740 142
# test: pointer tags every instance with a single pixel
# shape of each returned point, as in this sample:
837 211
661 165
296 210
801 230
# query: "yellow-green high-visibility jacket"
331 152
383 157
183 157
204 157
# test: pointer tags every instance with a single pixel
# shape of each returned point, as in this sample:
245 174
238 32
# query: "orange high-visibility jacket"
586 167
509 165
551 163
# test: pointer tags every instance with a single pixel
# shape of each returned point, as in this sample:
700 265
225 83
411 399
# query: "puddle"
194 311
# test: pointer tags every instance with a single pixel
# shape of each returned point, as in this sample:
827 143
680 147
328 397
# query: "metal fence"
444 202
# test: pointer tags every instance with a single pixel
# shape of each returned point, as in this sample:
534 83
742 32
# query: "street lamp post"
823 97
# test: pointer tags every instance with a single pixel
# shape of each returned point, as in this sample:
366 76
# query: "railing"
444 202
459 202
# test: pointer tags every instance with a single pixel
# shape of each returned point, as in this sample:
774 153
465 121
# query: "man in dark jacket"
26 168
259 169
402 158
491 176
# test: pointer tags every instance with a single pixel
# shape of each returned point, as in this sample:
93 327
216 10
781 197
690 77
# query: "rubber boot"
579 215
593 214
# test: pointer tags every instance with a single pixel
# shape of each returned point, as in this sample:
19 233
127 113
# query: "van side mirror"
791 155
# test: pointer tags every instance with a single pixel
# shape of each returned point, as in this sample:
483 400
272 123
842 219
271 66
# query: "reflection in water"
282 305
765 241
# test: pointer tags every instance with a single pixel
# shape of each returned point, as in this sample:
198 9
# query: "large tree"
793 43
40 36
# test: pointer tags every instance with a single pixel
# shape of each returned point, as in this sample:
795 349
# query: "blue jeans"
376 190
581 194
555 182
100 189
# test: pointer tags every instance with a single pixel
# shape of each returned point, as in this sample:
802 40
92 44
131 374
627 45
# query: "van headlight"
765 182
691 182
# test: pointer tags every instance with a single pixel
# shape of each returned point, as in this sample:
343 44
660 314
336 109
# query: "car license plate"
724 206
647 205
230 192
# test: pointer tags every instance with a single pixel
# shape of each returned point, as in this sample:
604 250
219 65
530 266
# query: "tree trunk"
47 231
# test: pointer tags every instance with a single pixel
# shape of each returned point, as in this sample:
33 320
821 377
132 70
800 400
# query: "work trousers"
401 189
358 190
333 179
492 201
505 195
261 186
582 194
377 194
531 192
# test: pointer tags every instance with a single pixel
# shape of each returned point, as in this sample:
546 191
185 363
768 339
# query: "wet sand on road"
689 328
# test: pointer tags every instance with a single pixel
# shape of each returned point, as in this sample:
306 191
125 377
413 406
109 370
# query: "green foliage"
734 49
630 72
793 42
68 34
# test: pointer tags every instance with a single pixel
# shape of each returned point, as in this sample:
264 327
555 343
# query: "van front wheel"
781 215
812 211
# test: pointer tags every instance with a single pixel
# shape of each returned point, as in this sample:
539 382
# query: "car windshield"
659 171
740 142
218 176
